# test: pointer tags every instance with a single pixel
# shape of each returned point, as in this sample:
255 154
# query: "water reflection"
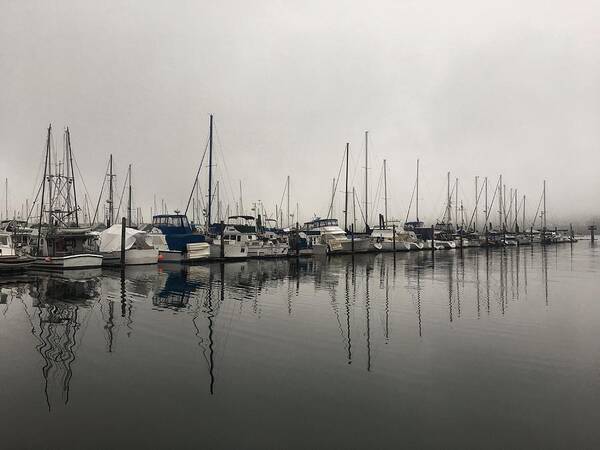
62 303
371 300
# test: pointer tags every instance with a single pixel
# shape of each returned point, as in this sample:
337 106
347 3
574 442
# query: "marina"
395 342
299 225
59 238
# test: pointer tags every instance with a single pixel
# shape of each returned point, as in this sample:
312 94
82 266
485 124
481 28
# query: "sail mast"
111 212
366 179
417 190
44 188
210 165
346 190
448 202
288 203
73 177
129 197
385 199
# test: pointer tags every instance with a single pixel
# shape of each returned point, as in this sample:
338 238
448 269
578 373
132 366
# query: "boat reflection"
366 298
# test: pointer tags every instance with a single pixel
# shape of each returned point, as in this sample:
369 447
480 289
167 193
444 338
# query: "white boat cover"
110 239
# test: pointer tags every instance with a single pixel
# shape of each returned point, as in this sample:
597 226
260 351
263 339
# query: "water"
496 350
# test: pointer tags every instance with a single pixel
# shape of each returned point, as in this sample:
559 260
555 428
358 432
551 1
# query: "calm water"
496 350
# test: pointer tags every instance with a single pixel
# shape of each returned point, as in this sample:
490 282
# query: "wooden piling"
123 224
222 240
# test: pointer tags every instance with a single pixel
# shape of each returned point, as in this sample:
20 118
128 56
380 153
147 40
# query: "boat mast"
346 190
288 203
6 197
448 201
43 188
366 179
385 199
476 202
417 190
111 211
353 210
210 165
523 227
129 197
500 203
545 223
456 203
516 211
73 177
486 203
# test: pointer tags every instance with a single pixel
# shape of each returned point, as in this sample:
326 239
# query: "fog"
474 88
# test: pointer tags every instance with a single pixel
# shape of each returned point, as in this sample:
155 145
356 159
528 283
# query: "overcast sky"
477 88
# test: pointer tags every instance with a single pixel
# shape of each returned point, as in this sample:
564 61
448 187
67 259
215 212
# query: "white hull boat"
79 261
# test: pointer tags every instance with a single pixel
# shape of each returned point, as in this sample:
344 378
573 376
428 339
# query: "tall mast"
44 188
111 211
366 179
545 222
346 190
448 202
476 202
385 199
516 210
73 177
288 202
129 197
241 201
500 203
210 164
523 226
417 190
6 197
456 203
353 210
486 203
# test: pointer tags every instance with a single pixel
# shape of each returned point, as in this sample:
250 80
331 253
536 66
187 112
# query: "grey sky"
477 88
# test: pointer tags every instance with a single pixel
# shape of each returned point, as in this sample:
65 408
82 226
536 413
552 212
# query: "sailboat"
59 241
389 239
174 236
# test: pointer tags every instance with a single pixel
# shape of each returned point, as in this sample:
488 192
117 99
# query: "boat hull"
133 257
15 263
82 261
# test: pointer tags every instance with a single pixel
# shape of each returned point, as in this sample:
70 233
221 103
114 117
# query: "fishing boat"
10 260
59 240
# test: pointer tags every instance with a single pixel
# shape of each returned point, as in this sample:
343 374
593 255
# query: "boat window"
242 250
185 222
3 240
239 238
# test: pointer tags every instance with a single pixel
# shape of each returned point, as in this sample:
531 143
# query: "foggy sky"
470 87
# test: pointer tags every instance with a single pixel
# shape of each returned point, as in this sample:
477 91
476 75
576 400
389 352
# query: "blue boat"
184 242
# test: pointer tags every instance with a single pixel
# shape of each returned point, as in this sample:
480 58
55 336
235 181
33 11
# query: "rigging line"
33 204
411 201
87 200
491 205
122 193
196 179
376 198
538 210
359 207
336 184
476 205
224 162
100 196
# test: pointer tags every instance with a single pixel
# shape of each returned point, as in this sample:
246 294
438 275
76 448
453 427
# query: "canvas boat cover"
110 239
